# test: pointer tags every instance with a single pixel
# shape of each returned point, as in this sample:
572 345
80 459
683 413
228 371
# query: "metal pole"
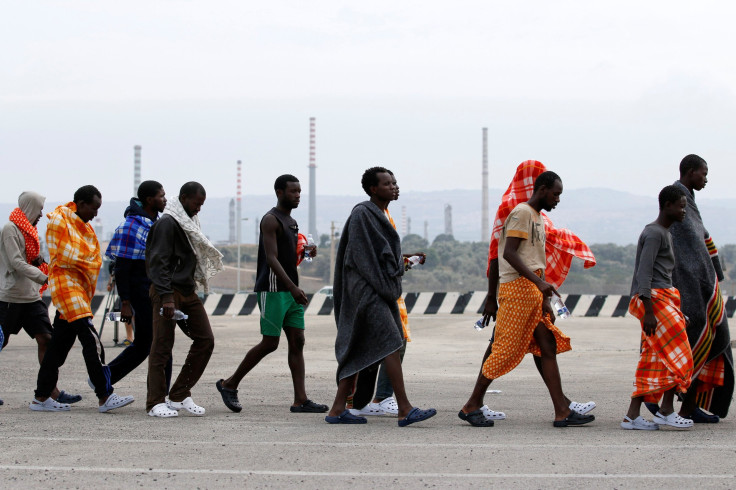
238 210
332 251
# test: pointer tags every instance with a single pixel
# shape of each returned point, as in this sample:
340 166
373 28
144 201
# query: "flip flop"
345 418
309 407
417 415
65 397
229 397
574 419
476 418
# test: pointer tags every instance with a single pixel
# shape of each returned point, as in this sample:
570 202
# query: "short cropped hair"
370 178
546 179
192 189
86 194
671 193
691 162
282 180
148 188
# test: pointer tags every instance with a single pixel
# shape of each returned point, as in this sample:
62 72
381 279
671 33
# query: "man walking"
178 257
73 270
23 278
128 250
367 284
524 319
280 299
665 361
697 277
383 403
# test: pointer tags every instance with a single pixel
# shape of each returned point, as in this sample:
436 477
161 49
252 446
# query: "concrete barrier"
583 305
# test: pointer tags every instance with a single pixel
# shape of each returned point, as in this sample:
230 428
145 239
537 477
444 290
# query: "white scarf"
209 259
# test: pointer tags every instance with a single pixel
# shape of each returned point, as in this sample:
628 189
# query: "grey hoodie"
20 281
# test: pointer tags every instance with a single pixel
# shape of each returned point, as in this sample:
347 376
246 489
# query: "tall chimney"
136 169
448 219
484 225
312 179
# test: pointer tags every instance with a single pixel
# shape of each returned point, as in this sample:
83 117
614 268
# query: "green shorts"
279 310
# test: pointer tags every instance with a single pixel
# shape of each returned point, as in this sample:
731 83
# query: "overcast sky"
608 94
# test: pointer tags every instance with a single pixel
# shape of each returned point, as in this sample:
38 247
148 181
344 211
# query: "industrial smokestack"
484 225
312 179
448 219
136 169
231 221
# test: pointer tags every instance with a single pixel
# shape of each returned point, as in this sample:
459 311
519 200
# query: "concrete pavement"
267 446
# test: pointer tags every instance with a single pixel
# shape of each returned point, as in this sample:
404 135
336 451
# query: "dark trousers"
196 327
137 352
62 340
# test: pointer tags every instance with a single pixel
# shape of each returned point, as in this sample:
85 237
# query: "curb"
582 305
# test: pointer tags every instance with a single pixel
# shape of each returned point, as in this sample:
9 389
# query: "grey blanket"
696 276
367 283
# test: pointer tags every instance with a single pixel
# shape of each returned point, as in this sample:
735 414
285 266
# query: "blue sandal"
417 415
345 418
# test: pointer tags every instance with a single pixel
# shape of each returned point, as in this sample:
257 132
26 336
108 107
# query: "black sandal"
574 419
309 407
229 397
476 418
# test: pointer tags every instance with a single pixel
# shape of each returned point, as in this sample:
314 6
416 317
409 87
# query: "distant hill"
597 215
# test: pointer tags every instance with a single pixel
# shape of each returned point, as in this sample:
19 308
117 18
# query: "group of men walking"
161 257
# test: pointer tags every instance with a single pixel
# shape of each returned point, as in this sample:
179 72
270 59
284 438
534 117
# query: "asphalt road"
267 446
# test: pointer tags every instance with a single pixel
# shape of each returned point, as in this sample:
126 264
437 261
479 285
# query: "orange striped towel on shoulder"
666 361
561 244
75 262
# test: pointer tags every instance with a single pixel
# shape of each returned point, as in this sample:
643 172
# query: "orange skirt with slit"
519 313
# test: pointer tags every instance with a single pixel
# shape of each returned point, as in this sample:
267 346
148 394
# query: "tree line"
461 266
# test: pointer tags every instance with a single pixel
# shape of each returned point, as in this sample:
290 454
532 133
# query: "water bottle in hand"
114 316
560 308
412 261
178 314
479 325
308 252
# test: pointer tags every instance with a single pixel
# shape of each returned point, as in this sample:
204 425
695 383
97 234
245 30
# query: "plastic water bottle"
178 314
479 325
560 308
307 253
114 316
412 261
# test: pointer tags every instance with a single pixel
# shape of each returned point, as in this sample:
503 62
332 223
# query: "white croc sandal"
639 423
673 420
163 411
186 404
49 405
389 406
491 414
582 408
370 409
114 401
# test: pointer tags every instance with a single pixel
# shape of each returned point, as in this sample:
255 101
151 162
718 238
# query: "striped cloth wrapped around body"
74 262
665 360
